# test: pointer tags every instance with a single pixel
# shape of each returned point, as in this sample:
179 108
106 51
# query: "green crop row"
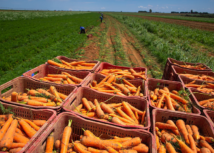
147 34
62 39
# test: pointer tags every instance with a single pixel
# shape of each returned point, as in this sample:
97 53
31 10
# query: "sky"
112 5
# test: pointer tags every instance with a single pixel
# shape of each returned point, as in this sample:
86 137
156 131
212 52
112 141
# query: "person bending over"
82 29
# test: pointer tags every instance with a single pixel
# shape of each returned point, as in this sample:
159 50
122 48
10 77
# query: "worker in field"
82 29
101 19
102 15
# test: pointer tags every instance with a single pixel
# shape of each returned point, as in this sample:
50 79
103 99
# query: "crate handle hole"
73 101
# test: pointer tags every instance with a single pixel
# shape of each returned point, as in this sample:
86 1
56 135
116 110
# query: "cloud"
150 6
142 7
103 8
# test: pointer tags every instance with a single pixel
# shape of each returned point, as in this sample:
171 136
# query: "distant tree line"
190 12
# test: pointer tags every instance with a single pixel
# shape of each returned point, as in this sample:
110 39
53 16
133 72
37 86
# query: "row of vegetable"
119 82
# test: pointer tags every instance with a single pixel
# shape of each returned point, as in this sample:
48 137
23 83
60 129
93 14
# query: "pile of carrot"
39 97
208 103
206 87
119 113
76 65
180 137
63 78
172 100
89 143
109 85
16 132
202 77
197 67
127 73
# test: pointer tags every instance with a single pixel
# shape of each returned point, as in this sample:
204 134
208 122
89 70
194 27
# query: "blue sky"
112 5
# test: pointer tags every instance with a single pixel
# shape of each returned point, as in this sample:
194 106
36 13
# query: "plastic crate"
170 61
44 69
72 60
210 116
104 131
178 70
203 124
152 84
99 77
89 94
27 113
21 84
198 96
105 65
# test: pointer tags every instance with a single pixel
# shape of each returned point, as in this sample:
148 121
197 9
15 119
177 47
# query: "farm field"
120 40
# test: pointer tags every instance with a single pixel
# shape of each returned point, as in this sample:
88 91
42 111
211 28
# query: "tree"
150 10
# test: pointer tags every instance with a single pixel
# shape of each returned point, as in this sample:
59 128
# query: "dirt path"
191 24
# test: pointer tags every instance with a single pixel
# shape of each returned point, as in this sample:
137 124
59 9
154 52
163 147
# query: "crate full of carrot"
72 64
110 84
171 95
116 110
24 91
178 132
73 134
52 74
122 72
19 130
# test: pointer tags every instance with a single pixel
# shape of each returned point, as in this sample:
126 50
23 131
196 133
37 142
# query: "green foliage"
6 111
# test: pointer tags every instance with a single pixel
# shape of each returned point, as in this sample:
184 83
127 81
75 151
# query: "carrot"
77 109
70 81
15 150
121 140
195 131
143 118
128 83
165 126
205 150
129 111
138 91
184 147
136 115
135 109
58 76
209 139
122 119
182 128
116 120
101 144
104 80
106 108
203 143
33 102
88 133
169 103
176 132
5 127
99 111
86 104
111 79
33 125
93 150
17 145
75 79
20 138
111 150
7 140
49 143
93 107
141 148
160 100
42 91
14 96
65 137
33 92
80 148
162 149
165 136
122 88
127 151
189 130
170 148
55 93
19 131
131 143
39 123
157 141
192 143
62 96
27 128
51 62
57 144
53 79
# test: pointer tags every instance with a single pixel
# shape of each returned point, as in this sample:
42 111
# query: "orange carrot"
170 148
49 144
93 150
106 108
116 120
131 143
20 131
17 145
111 150
15 150
70 81
77 109
99 111
162 149
157 141
176 132
204 150
51 62
20 138
135 109
86 104
122 88
33 92
65 137
7 140
192 143
169 103
14 96
111 79
39 123
136 115
128 83
27 128
141 148
129 111
165 136
165 126
53 79
55 93
62 96
203 143
138 91
209 139
58 76
184 147
57 144
189 129
75 79
195 131
5 127
127 151
182 128
121 113
160 100
143 118
33 125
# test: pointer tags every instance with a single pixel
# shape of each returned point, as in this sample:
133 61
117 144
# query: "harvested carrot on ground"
166 99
